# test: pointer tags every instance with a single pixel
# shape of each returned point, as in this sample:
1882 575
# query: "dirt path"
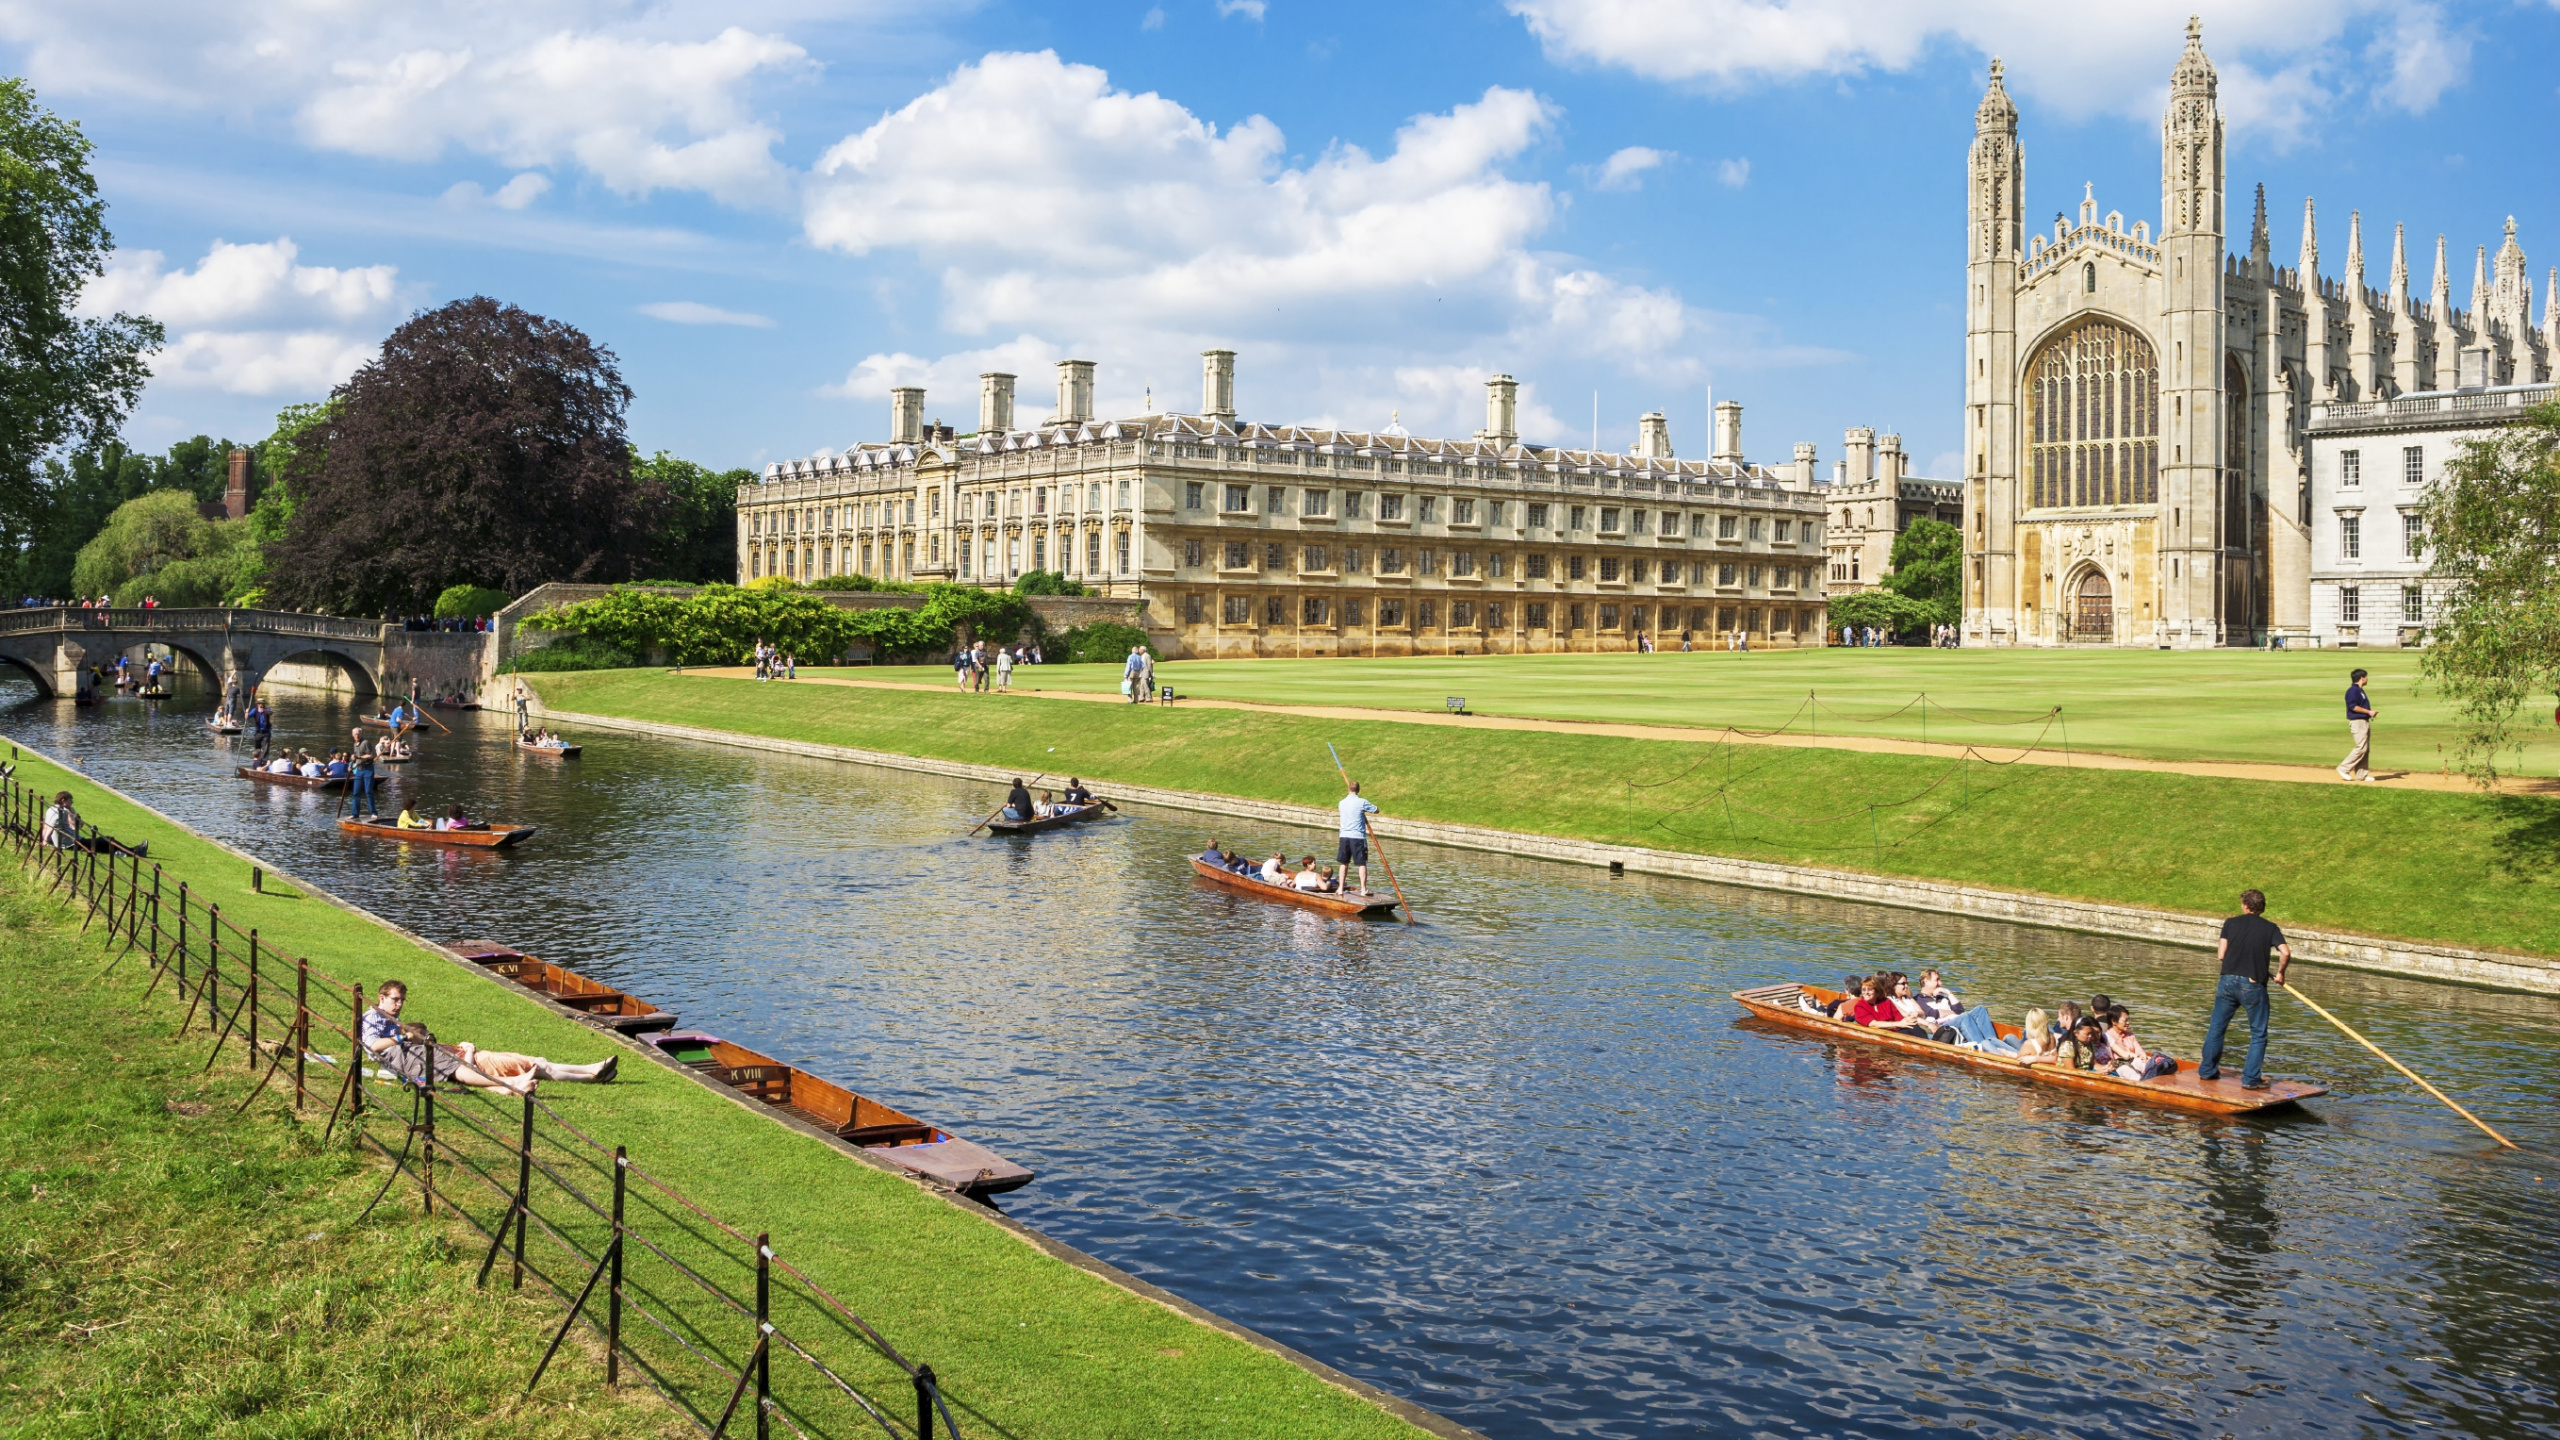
2075 759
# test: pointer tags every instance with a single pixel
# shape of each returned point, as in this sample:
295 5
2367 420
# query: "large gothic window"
2093 418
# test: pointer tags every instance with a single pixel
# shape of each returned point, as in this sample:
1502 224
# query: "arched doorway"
2093 608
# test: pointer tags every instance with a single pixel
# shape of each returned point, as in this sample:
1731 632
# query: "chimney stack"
235 494
1218 385
2473 368
1805 465
906 415
1860 442
1653 436
1728 432
995 403
1075 393
1501 411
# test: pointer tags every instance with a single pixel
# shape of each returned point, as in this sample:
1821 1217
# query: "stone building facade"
2137 471
1249 539
1874 497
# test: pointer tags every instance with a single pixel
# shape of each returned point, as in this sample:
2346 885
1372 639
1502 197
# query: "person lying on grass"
411 1053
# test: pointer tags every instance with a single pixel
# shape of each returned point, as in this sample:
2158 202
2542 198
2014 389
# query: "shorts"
409 1061
1351 850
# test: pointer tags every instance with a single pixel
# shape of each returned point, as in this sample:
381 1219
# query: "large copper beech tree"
484 446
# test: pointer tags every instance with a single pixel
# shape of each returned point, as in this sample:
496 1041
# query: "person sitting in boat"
1017 801
1215 856
1936 999
311 767
282 765
337 764
2132 1061
1915 1016
1875 1006
454 819
1048 807
1075 793
1308 876
1238 864
2078 1050
1275 871
2066 1020
2037 1045
409 820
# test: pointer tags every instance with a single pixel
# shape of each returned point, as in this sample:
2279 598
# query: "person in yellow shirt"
410 821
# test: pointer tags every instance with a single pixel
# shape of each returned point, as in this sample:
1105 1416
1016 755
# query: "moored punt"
485 837
556 752
897 1137
297 781
1059 821
615 1009
1779 1005
1329 902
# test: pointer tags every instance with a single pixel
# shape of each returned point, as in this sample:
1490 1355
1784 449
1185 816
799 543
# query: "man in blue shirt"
2357 765
1352 847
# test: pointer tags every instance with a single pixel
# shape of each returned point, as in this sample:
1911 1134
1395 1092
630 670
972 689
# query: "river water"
1523 1163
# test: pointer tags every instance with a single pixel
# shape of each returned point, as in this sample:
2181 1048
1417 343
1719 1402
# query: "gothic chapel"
2134 407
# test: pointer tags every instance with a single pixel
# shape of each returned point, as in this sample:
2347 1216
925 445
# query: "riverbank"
2448 869
1026 1335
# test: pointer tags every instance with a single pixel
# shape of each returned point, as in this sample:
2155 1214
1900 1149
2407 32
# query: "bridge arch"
15 663
361 680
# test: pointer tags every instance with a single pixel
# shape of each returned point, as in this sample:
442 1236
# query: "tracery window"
2093 418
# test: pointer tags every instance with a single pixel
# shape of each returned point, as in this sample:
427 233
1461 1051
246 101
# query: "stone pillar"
906 415
1218 385
995 403
1653 436
1075 392
1501 411
1728 433
68 657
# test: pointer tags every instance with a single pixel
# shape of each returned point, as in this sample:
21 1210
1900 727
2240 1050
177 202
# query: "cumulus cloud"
516 194
252 319
1733 174
1625 169
2071 58
694 312
645 99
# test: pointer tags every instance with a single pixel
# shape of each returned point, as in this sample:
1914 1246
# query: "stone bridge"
52 646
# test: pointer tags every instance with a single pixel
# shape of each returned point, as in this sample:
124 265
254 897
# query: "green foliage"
158 546
722 623
853 582
698 536
465 602
572 652
65 378
1102 642
1928 566
1895 613
2493 530
1047 582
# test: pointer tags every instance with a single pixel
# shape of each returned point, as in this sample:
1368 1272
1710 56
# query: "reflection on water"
1523 1163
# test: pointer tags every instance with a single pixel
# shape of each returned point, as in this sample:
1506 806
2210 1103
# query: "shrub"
466 602
1047 582
574 652
1894 613
1103 642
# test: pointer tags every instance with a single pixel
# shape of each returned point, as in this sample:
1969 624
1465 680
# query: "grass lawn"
171 1270
1025 1344
2286 707
2451 867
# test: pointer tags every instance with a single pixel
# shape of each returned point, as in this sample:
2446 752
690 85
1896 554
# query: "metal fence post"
155 917
427 1156
613 1297
182 934
764 1333
251 1003
301 1027
524 1186
355 1059
924 1402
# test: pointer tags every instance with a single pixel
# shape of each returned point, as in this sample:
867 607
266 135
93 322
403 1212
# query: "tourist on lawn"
409 1051
960 668
2359 761
2248 939
1004 668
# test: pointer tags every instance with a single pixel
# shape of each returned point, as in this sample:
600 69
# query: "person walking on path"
2359 762
1352 847
1146 674
1004 668
1133 675
2248 939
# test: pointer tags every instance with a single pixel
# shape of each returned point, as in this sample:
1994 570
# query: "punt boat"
893 1135
220 726
298 782
1784 1005
1381 905
1059 821
614 1009
486 837
556 752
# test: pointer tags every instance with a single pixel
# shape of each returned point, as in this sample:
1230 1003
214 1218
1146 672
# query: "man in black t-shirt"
2248 940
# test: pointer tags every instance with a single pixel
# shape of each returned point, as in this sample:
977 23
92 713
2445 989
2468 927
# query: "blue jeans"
2236 992
361 802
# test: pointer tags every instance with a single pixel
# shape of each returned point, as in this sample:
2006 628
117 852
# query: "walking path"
2072 759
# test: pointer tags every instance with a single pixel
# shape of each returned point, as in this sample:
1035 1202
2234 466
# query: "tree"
77 494
697 542
1047 582
1928 566
2493 532
64 378
484 446
1887 610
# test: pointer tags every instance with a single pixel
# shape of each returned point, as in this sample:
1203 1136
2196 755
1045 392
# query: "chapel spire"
2479 286
2258 243
2191 145
2440 295
2399 270
2310 248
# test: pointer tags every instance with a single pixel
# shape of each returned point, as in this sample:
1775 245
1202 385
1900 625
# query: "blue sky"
773 210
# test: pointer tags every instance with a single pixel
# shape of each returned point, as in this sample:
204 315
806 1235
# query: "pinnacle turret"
2355 257
2440 296
2258 244
1997 111
2310 247
2195 72
2479 284
2400 269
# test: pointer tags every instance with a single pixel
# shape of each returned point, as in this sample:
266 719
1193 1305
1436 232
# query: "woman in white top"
1310 878
2039 1047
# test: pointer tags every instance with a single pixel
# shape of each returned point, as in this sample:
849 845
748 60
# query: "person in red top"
1876 1007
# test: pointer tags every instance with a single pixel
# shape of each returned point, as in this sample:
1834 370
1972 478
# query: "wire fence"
698 1307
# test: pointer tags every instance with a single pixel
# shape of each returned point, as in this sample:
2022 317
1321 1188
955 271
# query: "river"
1523 1163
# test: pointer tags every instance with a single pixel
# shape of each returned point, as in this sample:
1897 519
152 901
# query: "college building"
1250 539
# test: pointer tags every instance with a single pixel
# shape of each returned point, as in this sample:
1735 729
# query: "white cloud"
1249 9
1153 19
694 312
516 194
1733 174
2077 60
643 98
1122 228
251 319
1625 169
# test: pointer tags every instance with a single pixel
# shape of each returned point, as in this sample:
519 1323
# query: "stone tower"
1995 195
2205 532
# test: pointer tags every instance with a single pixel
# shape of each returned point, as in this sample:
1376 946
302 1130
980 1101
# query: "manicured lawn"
2287 708
1026 1343
2452 867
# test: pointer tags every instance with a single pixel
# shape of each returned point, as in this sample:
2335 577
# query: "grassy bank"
1025 1344
2283 708
2454 868
169 1269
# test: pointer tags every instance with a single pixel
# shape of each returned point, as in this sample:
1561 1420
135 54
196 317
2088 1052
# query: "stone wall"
442 663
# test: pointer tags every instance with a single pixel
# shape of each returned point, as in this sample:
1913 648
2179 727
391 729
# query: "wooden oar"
2403 1069
992 814
1373 836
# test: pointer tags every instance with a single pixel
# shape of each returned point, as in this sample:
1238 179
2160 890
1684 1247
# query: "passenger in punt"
2066 1020
312 769
1047 809
1276 870
1215 856
409 820
1309 877
1877 1008
2038 1046
2079 1048
337 764
1915 1015
454 819
1076 794
1017 801
281 765
1238 865
1936 999
2132 1061
1852 989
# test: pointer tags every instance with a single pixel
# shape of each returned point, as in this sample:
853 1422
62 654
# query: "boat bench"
768 1083
916 1133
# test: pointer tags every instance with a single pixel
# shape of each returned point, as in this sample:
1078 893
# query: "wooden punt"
897 1137
1380 905
1778 1005
298 782
487 837
555 752
152 693
614 1009
221 726
1060 821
